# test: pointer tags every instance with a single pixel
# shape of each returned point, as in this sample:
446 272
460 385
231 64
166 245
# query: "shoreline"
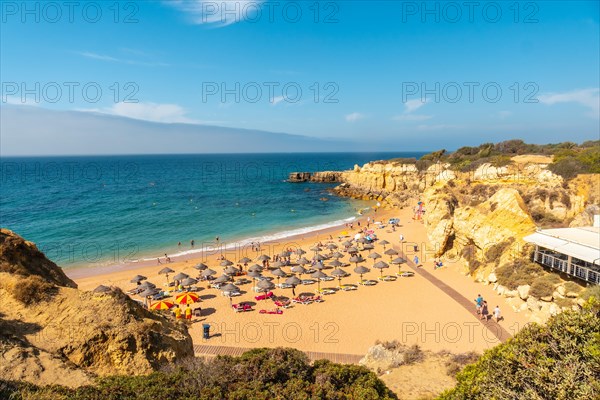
202 252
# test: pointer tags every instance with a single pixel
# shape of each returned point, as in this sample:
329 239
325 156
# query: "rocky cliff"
50 332
480 216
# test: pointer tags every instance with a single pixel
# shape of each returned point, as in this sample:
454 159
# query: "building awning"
577 250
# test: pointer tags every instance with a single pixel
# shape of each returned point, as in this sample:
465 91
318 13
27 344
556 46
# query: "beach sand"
410 310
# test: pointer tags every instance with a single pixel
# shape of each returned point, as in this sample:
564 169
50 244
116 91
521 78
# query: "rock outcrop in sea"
53 333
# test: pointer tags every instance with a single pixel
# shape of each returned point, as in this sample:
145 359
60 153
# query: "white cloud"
355 116
218 13
504 114
277 100
589 98
413 105
409 107
20 101
166 113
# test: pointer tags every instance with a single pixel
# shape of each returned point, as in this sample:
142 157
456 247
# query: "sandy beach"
410 310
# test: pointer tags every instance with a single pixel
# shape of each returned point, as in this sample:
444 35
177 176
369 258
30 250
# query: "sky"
392 75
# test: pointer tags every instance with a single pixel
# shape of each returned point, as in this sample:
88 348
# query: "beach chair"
231 294
264 296
275 311
348 287
134 291
283 304
367 282
308 281
387 278
405 274
316 299
302 300
327 278
326 291
241 307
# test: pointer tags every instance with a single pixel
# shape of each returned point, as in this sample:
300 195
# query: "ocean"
106 210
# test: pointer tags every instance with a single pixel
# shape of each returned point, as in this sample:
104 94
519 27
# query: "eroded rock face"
18 256
77 334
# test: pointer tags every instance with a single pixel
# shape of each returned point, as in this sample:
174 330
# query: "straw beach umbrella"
225 263
339 273
293 281
391 253
352 250
303 261
188 282
229 289
222 279
231 270
137 279
265 286
245 260
277 264
166 271
264 257
102 289
254 275
200 266
332 246
318 275
180 276
278 272
255 267
300 252
208 272
356 259
147 285
298 269
381 265
383 243
374 256
361 270
338 255
398 261
369 247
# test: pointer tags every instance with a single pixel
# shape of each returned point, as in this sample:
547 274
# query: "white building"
574 251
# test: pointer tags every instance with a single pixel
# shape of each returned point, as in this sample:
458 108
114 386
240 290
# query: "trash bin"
206 331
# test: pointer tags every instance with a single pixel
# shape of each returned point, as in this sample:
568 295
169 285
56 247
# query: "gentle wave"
263 239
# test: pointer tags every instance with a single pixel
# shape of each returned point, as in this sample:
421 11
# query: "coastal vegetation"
278 373
559 360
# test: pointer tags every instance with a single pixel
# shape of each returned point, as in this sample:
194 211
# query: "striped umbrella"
186 298
162 305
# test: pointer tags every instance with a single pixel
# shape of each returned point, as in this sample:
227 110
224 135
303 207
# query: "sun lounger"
348 287
326 291
134 291
284 286
316 299
241 307
275 311
232 294
242 281
387 278
327 279
302 300
308 281
283 304
367 282
405 274
216 285
264 296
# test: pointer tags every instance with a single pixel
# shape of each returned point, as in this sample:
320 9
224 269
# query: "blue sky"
361 67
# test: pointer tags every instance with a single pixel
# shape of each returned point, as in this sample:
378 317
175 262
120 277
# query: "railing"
554 262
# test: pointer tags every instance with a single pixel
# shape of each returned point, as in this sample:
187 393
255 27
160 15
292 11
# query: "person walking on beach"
401 238
188 312
478 303
177 312
484 311
416 260
497 314
192 243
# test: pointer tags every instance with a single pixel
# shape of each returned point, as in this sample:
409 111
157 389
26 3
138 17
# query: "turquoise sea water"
107 210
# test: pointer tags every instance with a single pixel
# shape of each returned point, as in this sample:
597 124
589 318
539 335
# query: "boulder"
571 295
492 278
547 299
561 290
533 304
500 290
523 291
511 293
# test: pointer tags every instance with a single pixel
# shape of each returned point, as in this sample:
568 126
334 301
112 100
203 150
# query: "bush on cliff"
257 374
517 273
559 361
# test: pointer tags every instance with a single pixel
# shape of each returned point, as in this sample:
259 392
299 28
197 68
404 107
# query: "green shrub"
591 291
257 374
559 361
543 286
517 273
574 287
33 289
495 251
458 361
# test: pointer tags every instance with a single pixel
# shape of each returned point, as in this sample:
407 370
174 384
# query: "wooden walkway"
497 330
211 351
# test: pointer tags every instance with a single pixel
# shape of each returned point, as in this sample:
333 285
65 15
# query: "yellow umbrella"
162 305
186 298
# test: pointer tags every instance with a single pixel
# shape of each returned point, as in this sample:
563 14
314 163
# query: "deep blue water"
106 210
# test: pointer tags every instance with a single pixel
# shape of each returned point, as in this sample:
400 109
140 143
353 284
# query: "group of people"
482 309
179 313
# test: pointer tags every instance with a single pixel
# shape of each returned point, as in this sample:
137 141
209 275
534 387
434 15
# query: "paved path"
497 330
209 350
